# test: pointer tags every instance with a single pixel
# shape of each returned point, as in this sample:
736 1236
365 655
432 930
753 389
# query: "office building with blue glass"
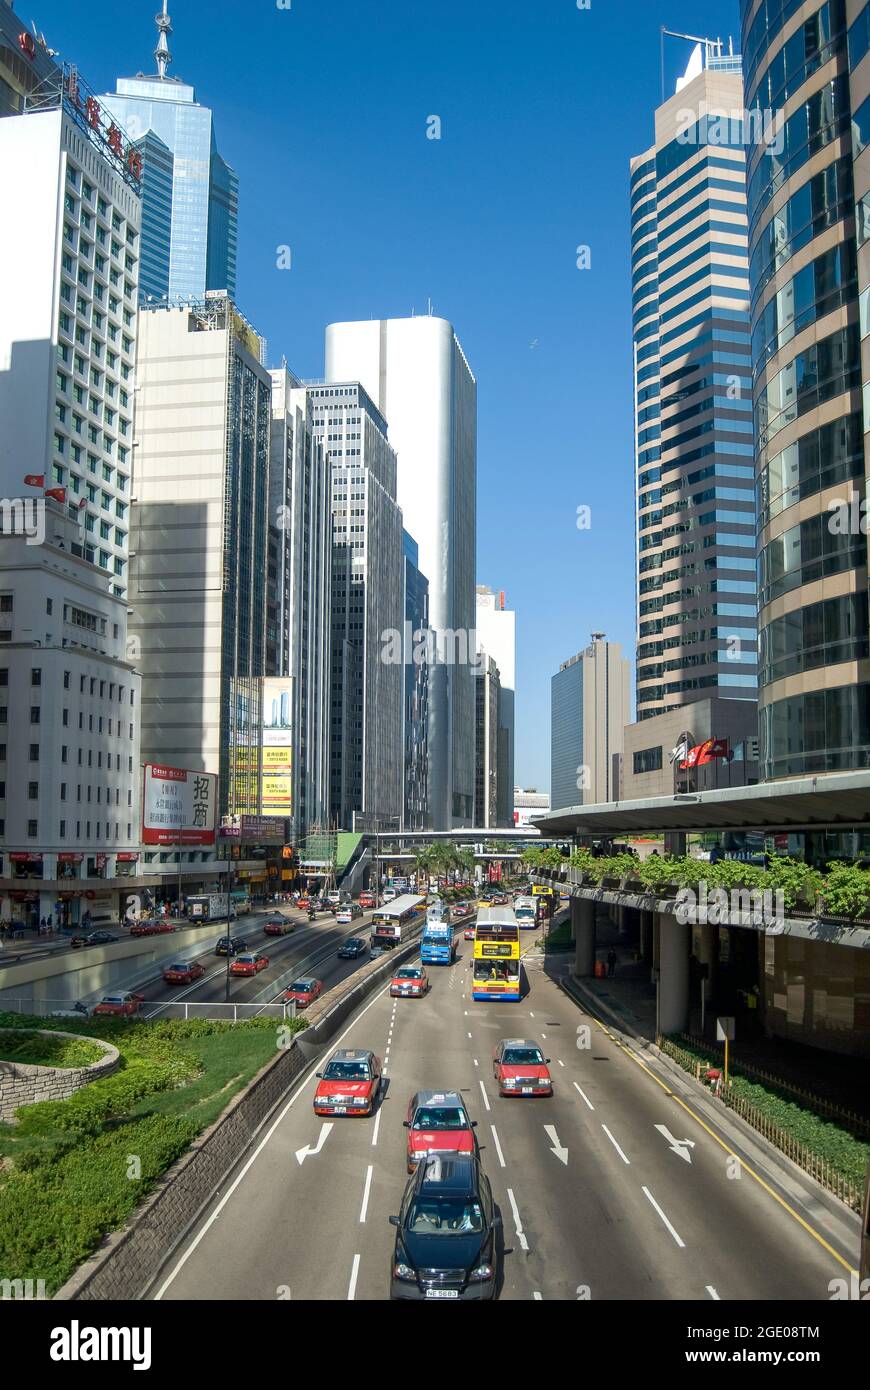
190 195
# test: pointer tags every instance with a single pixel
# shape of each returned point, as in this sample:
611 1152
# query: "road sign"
725 1029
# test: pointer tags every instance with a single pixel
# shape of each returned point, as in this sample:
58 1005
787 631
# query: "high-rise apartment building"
298 603
199 580
200 252
496 635
418 376
809 223
590 703
696 584
69 271
416 691
367 601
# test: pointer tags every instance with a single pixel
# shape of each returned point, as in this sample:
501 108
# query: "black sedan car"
353 947
446 1233
94 938
230 946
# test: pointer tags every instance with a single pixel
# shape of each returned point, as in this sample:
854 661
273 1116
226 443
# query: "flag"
693 756
34 480
680 752
712 749
58 493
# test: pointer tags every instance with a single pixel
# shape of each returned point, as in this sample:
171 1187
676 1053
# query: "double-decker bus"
392 923
496 964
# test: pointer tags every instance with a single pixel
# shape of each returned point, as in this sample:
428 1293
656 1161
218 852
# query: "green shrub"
36 1050
846 891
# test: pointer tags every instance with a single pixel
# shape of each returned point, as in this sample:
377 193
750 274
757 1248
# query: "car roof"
450 1100
457 1173
518 1042
351 1054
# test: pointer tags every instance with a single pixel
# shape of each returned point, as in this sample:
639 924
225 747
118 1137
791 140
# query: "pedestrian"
611 963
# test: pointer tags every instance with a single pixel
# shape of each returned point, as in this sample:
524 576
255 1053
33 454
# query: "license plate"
528 1090
339 1110
442 1293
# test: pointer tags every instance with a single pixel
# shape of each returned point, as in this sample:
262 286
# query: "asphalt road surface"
599 1195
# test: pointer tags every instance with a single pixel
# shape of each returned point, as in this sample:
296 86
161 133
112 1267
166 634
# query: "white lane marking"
539 1297
559 1060
524 1244
483 1093
615 1145
531 1015
498 1147
584 1095
207 1225
469 1035
476 1063
368 1187
351 1292
376 1128
651 1198
713 1294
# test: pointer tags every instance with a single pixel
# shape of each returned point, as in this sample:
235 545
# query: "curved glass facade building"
696 585
806 65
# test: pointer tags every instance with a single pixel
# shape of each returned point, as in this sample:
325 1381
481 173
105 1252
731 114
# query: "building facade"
496 635
367 606
416 692
696 586
202 250
25 61
529 804
198 589
298 601
486 690
418 376
809 220
590 703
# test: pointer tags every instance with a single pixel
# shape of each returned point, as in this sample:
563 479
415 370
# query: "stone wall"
23 1084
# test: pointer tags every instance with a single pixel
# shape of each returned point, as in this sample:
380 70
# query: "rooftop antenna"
161 52
712 48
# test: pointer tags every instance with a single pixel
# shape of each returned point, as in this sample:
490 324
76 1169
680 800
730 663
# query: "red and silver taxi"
520 1068
409 982
438 1123
250 964
303 992
349 1084
183 972
119 1005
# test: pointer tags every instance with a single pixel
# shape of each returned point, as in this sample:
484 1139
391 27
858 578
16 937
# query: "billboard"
276 780
178 806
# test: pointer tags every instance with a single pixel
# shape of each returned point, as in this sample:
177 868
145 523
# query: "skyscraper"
486 761
416 692
809 223
199 253
696 587
418 376
589 709
496 635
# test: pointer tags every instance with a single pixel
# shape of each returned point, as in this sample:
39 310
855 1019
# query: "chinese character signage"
178 806
276 786
88 113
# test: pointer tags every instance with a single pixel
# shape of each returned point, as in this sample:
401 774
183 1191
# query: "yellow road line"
722 1144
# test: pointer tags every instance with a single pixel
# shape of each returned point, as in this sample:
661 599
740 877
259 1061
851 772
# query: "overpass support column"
673 987
583 924
706 940
646 937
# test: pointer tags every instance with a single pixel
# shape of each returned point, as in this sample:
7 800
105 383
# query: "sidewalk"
630 1000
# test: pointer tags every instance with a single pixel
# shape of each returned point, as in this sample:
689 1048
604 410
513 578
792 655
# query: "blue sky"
322 108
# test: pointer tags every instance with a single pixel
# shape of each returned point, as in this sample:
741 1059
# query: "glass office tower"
809 200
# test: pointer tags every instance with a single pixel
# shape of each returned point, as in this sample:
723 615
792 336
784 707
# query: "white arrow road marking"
561 1154
524 1244
302 1154
539 1297
615 1145
679 1146
368 1187
351 1292
651 1198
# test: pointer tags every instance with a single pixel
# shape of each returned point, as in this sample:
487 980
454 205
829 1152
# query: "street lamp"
229 928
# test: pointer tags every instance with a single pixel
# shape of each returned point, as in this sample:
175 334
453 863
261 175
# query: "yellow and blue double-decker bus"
496 964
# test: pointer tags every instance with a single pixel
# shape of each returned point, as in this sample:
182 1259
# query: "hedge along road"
595 1189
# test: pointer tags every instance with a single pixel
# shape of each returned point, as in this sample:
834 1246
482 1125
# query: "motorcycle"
312 915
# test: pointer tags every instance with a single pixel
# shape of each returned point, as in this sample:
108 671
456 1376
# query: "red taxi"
438 1123
520 1068
366 900
154 926
279 926
409 981
303 992
183 972
119 1005
468 934
303 903
349 1084
250 964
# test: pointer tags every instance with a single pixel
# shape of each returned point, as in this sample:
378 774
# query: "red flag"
714 748
693 756
58 493
34 480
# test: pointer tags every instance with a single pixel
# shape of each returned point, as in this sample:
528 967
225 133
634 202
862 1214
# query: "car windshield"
441 1117
408 974
302 986
354 944
346 1071
181 966
451 1216
522 1057
246 960
113 999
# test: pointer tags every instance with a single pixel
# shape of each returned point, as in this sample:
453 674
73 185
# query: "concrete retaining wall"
24 1084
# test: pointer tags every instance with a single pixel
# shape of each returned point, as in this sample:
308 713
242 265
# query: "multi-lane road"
612 1189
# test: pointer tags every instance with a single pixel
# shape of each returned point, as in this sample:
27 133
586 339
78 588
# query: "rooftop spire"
161 52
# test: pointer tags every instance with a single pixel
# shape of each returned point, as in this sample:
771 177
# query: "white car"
333 898
389 894
347 912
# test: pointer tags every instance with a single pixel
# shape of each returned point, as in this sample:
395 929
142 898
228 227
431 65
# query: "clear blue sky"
322 110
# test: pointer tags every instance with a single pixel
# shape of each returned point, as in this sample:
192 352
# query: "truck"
438 946
209 907
526 911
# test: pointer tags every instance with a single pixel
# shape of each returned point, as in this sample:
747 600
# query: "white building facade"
418 377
